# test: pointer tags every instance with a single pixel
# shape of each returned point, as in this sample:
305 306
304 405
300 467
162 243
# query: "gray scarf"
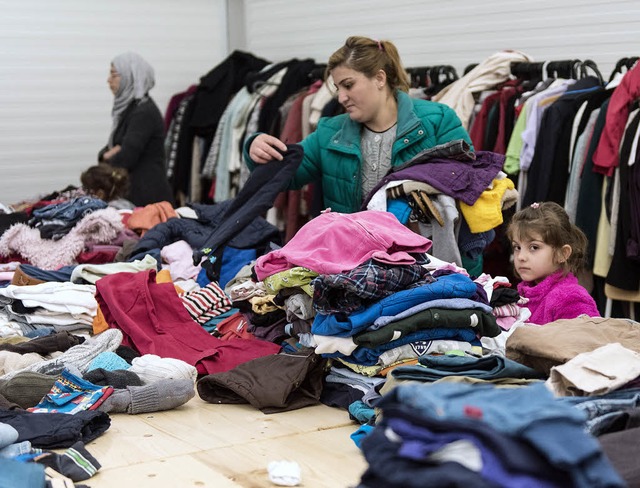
136 79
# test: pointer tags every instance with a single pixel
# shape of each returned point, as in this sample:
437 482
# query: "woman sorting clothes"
382 127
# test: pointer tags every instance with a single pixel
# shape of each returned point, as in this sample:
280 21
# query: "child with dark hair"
107 183
548 251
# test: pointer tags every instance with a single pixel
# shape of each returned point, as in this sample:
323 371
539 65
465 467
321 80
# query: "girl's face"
534 260
113 80
361 96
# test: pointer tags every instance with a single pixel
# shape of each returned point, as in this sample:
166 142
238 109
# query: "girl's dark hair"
105 181
369 56
550 222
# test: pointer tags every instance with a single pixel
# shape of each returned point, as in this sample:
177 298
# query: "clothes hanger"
568 68
469 67
590 64
447 74
260 83
623 64
528 71
418 76
317 73
560 69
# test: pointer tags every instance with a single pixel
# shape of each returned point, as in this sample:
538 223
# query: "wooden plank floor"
206 445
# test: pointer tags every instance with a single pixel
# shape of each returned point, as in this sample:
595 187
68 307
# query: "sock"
154 397
119 379
151 368
118 402
109 361
75 463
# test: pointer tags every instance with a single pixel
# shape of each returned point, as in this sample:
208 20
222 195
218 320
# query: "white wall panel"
55 106
54 56
457 32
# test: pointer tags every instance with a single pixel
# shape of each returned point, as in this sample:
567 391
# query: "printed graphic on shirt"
420 347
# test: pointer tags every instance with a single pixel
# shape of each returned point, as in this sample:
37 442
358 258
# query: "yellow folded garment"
486 213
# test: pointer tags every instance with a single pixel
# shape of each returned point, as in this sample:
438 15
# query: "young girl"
547 251
107 183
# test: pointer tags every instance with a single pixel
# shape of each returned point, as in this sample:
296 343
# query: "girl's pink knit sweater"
557 297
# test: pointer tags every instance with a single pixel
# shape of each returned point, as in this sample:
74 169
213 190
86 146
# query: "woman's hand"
111 153
264 148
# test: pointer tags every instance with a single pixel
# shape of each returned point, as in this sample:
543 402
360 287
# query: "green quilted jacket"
332 153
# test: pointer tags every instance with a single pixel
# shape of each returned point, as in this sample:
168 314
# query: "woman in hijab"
136 142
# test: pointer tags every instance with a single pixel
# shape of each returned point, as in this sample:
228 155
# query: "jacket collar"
348 137
407 118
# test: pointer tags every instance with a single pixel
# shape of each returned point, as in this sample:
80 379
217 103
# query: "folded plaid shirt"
369 282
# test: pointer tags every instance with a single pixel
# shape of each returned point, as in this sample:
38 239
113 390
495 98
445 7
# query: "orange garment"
99 322
164 276
144 218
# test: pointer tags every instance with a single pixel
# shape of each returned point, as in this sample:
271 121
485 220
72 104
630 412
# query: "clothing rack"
568 68
546 69
527 71
425 76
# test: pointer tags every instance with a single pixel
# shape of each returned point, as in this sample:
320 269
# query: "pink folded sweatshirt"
334 242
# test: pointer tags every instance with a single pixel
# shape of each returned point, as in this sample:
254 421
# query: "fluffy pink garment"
557 297
100 226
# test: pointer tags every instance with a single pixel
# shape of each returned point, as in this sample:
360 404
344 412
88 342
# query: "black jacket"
140 133
197 232
548 174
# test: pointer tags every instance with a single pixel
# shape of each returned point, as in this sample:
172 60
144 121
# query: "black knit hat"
127 353
119 379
